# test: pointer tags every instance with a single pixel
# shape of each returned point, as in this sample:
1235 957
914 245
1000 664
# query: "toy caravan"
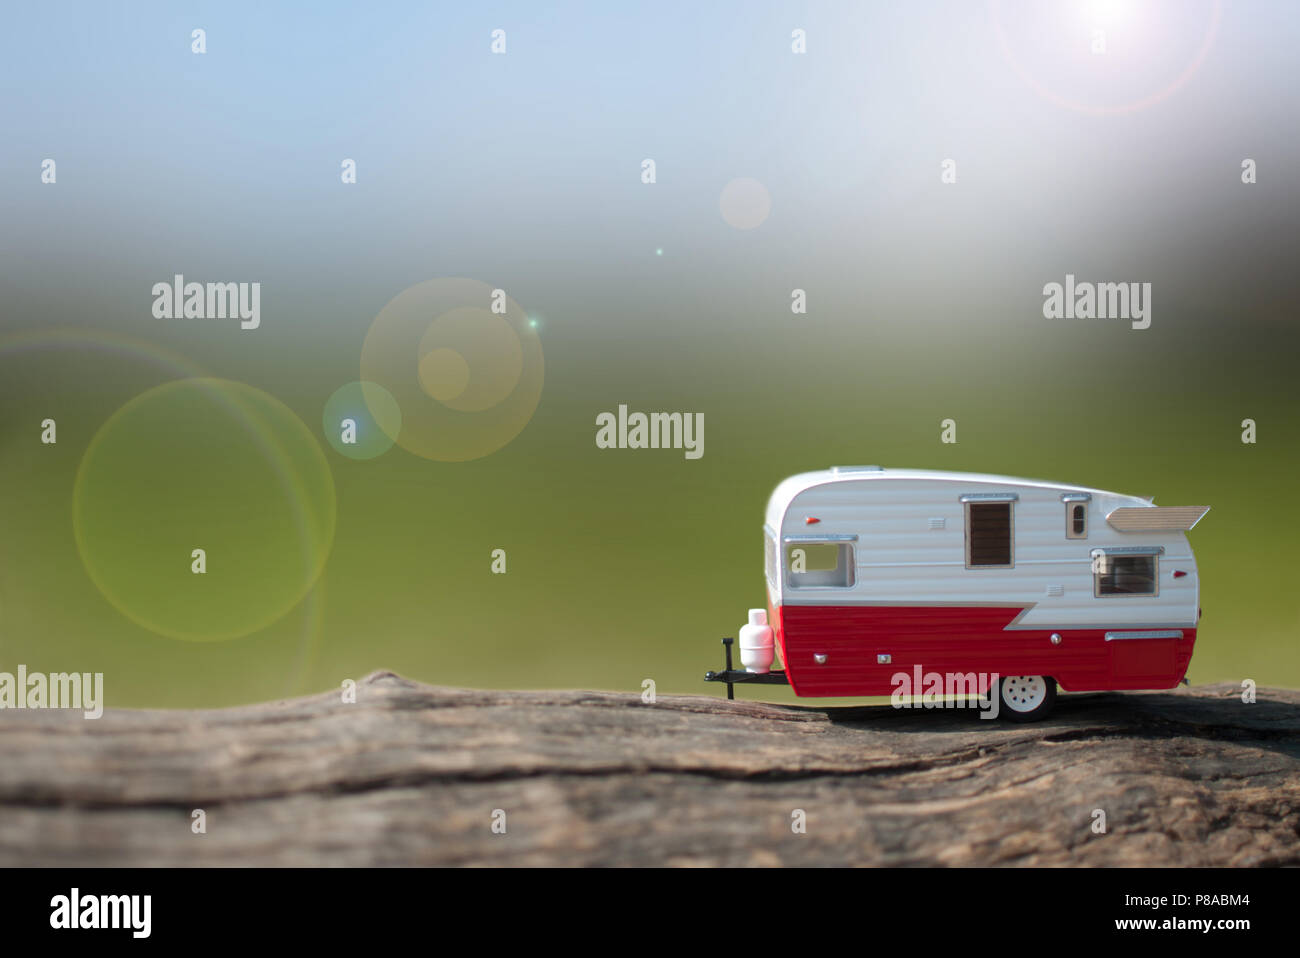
873 572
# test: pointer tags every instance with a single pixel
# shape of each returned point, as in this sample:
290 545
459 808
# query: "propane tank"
757 650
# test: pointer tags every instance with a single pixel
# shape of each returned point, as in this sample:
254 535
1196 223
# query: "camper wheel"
1027 697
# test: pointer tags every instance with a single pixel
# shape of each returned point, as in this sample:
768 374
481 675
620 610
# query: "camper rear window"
819 564
1124 575
988 535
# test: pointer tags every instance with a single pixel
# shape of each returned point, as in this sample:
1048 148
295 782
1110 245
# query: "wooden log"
412 775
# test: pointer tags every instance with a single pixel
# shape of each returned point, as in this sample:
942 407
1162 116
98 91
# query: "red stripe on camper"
960 639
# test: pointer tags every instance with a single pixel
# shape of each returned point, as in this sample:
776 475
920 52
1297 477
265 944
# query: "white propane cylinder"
757 650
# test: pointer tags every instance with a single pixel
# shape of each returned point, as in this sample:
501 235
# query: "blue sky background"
520 166
523 171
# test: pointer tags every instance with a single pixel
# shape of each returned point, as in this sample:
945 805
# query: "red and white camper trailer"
872 572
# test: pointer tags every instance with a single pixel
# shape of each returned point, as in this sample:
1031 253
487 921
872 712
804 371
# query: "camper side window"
989 533
819 564
1124 574
1076 520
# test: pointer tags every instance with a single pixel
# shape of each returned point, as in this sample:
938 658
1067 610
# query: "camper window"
1076 520
1124 574
819 564
989 535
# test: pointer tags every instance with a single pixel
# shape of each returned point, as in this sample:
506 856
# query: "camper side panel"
914 600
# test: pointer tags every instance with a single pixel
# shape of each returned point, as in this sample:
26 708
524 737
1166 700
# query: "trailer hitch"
733 676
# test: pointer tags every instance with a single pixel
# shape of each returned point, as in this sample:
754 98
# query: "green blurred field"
628 565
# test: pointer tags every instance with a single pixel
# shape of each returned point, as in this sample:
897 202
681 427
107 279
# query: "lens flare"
361 419
1105 58
466 376
204 509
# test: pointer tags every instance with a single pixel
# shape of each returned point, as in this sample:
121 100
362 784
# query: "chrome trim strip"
990 497
828 537
952 564
1129 550
1148 634
1076 497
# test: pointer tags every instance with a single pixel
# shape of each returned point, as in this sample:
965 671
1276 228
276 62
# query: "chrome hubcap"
1023 693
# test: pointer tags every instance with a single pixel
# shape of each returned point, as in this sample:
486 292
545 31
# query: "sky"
919 171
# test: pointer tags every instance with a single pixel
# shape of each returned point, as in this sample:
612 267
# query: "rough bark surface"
412 775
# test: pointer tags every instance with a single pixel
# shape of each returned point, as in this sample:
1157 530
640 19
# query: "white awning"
1156 518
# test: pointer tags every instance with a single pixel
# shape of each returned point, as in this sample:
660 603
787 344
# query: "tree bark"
417 775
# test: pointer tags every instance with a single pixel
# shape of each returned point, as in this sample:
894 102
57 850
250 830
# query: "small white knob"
1056 638
819 658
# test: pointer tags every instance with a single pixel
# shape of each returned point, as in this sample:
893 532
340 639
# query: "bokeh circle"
364 413
745 203
466 376
209 464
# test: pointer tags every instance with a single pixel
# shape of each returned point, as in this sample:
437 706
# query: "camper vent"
1056 590
937 523
838 469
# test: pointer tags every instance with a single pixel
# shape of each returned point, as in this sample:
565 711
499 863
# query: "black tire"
1019 693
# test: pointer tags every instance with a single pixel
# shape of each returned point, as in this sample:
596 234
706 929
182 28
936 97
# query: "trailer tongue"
735 676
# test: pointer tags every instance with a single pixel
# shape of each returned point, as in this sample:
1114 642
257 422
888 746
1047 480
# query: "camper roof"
786 491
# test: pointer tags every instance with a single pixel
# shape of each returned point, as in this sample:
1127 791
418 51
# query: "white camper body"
870 569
